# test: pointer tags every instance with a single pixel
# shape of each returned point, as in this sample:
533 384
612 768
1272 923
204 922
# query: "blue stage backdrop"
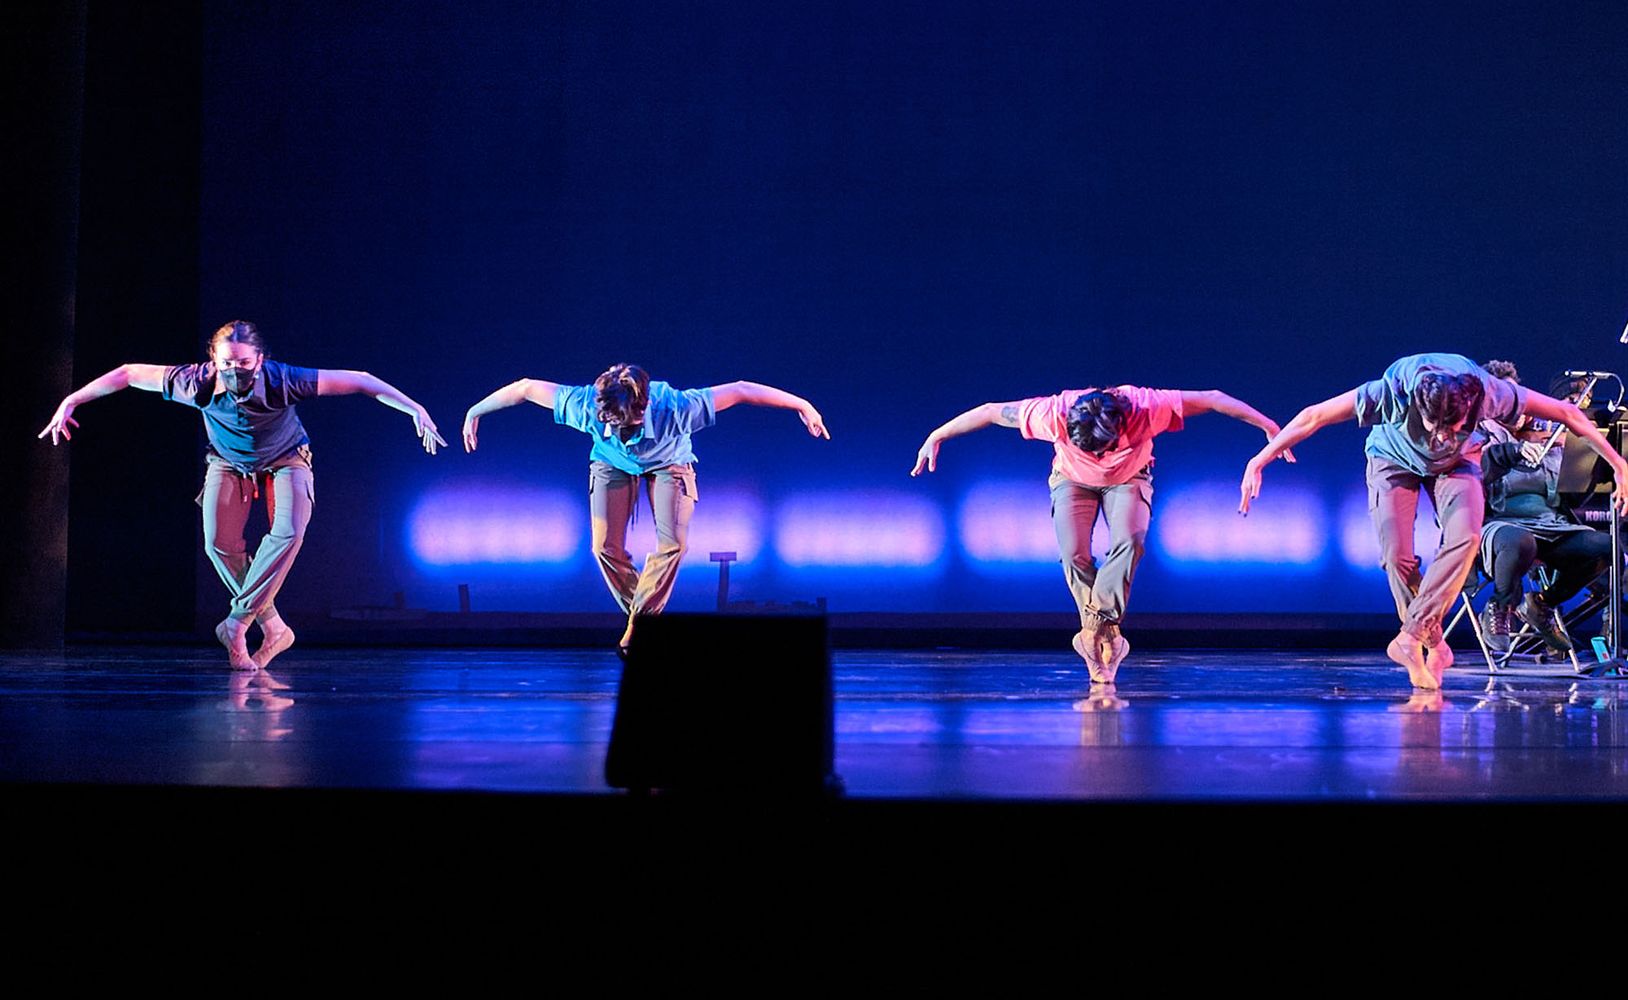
898 210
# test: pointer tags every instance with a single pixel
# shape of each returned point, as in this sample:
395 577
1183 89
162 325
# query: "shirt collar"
609 433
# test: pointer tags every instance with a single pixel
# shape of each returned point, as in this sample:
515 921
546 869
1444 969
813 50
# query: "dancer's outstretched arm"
977 418
526 390
1576 421
148 377
1306 423
332 382
757 394
1216 401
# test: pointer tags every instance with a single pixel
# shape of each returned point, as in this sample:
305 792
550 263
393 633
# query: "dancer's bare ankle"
1407 651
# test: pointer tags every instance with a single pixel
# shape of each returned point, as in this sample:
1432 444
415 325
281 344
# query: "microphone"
1581 374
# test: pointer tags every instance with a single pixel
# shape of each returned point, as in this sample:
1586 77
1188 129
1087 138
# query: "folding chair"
1534 654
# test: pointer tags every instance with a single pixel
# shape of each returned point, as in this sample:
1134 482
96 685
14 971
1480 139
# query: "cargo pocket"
683 477
1054 482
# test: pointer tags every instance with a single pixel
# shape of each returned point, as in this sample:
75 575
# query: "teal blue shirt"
1398 435
250 432
664 437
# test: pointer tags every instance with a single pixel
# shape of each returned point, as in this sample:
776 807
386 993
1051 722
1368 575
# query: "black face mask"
239 381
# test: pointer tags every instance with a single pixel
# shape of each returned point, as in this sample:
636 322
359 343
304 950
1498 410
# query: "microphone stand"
1614 436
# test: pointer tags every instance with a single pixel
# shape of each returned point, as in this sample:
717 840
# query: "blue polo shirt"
663 439
249 433
1398 435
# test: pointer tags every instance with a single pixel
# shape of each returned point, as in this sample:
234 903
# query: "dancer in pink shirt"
1103 461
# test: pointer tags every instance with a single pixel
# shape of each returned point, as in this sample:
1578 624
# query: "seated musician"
1525 523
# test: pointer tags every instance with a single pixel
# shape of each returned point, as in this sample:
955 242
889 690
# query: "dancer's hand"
814 422
927 457
1531 452
471 425
425 428
1619 496
61 420
1272 430
1250 488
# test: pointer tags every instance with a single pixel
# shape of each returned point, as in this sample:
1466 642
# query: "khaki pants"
1101 592
612 496
226 500
1393 502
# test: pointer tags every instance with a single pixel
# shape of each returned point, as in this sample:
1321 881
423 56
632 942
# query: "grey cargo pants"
612 495
227 497
1393 502
1101 592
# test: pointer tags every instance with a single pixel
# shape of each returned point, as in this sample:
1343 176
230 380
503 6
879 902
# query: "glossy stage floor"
1180 727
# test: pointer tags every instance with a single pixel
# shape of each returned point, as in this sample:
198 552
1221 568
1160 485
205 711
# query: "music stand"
1582 472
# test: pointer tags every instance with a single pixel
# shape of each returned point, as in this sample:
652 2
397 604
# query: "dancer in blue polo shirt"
255 440
641 431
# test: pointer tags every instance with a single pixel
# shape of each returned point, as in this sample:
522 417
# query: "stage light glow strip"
1201 524
472 524
1009 522
858 528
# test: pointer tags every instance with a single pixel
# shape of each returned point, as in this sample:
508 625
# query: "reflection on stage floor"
1208 726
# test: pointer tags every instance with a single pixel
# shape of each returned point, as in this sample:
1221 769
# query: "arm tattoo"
1008 416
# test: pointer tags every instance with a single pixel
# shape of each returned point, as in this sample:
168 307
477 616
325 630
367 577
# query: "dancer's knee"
223 546
1395 558
290 529
1135 544
1078 557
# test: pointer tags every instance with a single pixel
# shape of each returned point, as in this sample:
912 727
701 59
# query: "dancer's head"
238 352
1096 420
1503 369
622 393
1444 403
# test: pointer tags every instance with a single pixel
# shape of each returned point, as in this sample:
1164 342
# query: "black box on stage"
725 704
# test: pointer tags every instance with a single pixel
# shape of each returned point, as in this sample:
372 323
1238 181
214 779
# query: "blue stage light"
1008 523
1200 524
476 524
858 528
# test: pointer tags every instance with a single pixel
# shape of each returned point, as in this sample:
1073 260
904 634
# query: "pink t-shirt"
1153 411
